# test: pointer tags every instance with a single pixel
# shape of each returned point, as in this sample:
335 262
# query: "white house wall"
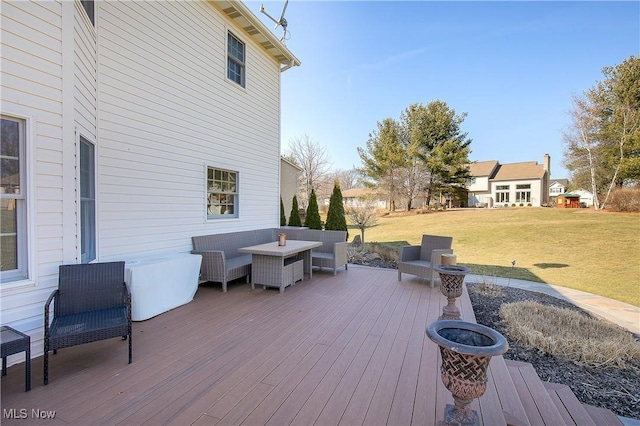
85 84
159 108
32 89
166 111
478 192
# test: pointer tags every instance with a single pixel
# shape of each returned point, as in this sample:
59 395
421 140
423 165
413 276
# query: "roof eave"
245 19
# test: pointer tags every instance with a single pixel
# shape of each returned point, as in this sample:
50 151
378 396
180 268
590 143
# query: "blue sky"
511 66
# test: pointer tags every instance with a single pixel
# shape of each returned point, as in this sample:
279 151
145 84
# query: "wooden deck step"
505 391
538 404
602 416
568 405
512 407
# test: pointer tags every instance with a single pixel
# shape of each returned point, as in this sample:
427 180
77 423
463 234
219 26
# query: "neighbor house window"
88 6
556 190
87 202
222 193
13 204
502 193
523 193
235 60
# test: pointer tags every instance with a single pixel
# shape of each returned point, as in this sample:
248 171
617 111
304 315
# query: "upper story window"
13 204
222 193
523 186
235 60
89 6
502 187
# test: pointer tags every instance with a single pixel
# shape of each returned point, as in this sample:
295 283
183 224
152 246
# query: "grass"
584 340
596 252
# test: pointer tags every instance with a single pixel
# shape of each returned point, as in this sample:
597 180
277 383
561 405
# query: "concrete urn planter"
451 279
466 350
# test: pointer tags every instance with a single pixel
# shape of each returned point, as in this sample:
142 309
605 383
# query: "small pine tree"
312 218
336 220
294 217
283 218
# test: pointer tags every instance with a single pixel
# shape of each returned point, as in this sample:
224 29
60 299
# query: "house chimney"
546 164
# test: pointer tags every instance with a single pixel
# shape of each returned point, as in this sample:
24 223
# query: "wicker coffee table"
271 264
13 342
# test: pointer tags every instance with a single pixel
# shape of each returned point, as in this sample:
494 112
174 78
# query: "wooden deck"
349 349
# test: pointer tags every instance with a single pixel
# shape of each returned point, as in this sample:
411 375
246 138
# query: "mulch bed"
608 387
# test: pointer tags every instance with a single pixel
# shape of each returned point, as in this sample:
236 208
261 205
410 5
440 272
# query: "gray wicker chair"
92 303
421 260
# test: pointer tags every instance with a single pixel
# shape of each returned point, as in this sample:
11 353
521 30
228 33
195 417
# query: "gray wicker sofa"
221 261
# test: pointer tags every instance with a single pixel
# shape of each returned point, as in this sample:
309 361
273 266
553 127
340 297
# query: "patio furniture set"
229 256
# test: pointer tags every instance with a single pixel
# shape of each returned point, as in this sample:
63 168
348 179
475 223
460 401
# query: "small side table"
12 342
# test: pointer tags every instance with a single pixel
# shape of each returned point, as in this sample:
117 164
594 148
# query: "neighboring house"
494 184
558 186
360 197
289 181
586 197
128 128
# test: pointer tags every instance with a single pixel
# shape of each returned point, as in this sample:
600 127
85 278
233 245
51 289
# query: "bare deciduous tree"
349 179
364 215
314 161
581 144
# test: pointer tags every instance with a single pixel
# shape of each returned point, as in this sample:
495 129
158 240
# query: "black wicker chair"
92 303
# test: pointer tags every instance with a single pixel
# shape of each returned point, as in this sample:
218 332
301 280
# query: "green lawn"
596 252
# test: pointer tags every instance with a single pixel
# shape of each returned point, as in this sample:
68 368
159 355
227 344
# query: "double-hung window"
235 60
13 204
222 193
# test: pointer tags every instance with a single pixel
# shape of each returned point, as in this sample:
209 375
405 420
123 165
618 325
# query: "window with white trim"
13 204
502 193
87 201
222 193
235 60
523 193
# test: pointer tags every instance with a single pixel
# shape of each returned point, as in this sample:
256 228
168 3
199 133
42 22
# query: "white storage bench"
161 284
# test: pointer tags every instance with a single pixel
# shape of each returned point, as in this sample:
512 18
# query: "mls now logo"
23 413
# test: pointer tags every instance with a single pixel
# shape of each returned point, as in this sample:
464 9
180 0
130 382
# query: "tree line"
425 153
421 153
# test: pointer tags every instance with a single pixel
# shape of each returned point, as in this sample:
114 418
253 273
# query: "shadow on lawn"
550 265
504 271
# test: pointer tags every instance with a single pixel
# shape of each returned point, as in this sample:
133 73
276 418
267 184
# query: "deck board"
345 349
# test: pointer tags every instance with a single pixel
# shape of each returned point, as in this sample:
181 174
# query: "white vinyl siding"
167 109
85 83
32 83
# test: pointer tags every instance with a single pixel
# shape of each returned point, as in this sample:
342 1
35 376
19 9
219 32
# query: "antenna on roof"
280 22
